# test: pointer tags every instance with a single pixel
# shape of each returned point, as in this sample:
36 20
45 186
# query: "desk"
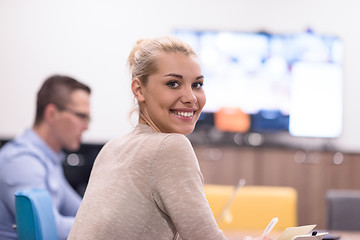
239 235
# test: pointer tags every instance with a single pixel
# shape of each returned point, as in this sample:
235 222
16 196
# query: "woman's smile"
183 114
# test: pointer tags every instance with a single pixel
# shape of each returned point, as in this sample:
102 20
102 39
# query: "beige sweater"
145 185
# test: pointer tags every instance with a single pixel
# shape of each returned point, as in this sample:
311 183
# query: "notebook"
292 232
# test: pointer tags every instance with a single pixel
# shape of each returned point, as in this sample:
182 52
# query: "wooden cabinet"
227 165
300 170
310 173
342 171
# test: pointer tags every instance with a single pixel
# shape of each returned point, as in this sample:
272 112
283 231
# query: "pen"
270 226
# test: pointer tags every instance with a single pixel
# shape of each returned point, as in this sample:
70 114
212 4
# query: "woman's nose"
188 96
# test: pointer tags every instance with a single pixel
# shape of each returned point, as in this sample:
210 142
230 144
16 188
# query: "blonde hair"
143 57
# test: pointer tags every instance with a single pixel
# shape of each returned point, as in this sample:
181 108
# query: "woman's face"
173 97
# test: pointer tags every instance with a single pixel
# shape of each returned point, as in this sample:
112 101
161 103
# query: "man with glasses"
34 159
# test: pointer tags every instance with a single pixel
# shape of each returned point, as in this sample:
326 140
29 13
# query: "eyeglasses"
83 116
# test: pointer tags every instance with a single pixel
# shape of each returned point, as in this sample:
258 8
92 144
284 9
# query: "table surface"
239 235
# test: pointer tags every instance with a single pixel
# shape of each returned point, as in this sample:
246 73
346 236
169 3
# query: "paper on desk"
318 236
291 232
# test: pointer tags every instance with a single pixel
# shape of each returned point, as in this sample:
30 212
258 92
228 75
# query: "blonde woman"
148 184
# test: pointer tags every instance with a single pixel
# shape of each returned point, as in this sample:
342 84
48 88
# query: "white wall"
90 40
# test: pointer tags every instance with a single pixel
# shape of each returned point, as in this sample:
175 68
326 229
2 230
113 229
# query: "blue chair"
34 215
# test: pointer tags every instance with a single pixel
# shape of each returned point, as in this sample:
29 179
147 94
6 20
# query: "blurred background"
281 82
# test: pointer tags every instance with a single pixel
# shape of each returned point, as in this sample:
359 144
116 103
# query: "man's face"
72 121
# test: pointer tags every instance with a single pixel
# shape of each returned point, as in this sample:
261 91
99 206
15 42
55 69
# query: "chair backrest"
254 206
343 209
34 215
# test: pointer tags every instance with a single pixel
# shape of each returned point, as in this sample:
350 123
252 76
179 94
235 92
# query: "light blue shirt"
28 162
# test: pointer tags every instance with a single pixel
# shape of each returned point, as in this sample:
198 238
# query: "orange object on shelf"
232 119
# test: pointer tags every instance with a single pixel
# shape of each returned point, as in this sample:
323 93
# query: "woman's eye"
173 84
198 85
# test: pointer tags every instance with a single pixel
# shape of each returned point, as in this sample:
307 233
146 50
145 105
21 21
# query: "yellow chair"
253 207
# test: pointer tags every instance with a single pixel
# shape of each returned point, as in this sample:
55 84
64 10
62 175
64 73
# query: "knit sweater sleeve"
177 186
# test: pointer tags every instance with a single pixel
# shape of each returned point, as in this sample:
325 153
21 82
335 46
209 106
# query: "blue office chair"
34 215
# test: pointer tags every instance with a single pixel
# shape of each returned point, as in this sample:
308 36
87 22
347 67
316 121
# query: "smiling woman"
147 184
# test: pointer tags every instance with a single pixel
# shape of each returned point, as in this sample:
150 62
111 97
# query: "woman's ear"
137 90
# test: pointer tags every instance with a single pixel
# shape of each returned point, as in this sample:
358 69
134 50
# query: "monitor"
285 82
